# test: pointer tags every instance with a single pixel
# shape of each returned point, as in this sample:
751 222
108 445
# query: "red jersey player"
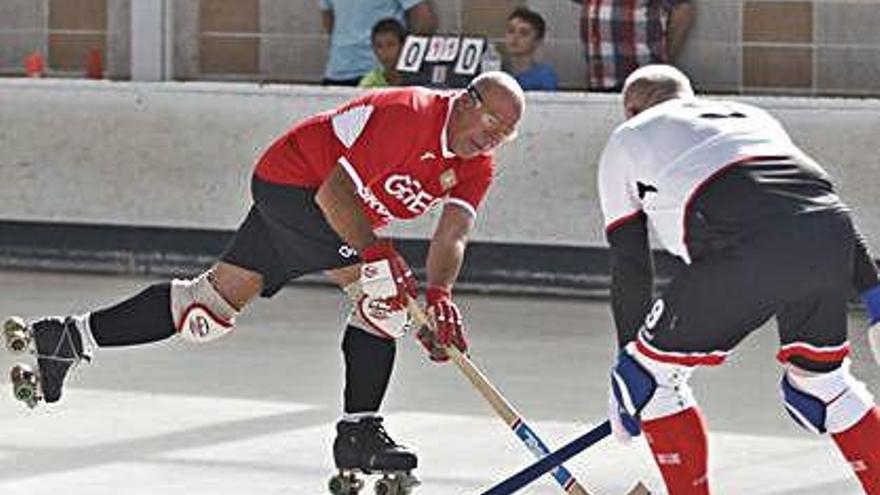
320 192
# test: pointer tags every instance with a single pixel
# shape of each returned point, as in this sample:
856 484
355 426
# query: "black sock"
143 318
368 363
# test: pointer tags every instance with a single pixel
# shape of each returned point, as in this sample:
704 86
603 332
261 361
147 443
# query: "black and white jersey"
657 162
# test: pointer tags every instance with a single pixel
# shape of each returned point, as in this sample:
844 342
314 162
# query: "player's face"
484 125
520 38
387 48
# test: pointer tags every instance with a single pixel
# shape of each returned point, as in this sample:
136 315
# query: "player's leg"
368 348
819 391
696 322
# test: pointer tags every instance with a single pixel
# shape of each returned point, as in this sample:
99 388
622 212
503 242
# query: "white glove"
617 429
874 340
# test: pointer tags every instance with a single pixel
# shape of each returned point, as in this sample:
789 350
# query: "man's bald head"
500 89
486 114
653 84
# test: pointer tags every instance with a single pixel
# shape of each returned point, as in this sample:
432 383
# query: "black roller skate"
364 447
55 343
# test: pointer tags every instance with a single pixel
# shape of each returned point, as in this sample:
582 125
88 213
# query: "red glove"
447 318
403 277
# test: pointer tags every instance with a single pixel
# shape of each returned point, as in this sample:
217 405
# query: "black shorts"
285 236
798 269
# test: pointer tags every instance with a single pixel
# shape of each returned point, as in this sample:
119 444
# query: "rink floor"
254 414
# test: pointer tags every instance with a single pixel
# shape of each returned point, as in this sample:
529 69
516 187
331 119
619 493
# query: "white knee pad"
673 393
825 402
200 313
374 315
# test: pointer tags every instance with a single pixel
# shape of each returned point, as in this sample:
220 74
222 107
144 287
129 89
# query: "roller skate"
364 447
56 345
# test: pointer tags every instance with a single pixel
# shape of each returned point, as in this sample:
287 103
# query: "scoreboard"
442 61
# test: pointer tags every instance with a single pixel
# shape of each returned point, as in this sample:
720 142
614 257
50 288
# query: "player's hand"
386 275
447 320
871 298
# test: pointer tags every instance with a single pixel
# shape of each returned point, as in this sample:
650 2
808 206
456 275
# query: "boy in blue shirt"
525 34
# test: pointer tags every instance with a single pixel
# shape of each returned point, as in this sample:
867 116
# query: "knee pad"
374 315
199 312
650 389
825 402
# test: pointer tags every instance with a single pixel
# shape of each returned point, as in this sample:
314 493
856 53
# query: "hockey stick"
502 407
548 462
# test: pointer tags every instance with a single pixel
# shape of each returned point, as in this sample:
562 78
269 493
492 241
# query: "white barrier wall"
180 155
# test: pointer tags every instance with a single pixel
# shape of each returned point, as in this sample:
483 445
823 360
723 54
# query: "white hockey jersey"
657 161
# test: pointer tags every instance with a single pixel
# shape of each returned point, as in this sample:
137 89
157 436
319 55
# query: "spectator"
350 22
620 36
525 34
387 39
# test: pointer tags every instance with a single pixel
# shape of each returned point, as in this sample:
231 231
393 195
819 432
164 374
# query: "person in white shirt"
762 233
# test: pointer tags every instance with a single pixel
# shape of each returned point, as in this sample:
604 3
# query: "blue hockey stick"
503 408
551 461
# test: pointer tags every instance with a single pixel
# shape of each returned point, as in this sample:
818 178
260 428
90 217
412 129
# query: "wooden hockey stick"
505 410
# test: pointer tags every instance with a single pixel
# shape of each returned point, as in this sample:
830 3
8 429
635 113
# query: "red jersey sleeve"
477 175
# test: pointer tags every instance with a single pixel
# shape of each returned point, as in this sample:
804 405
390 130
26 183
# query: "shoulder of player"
478 166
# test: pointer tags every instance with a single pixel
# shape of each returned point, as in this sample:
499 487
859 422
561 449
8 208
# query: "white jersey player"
762 234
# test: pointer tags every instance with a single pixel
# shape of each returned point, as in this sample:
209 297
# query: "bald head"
486 114
653 84
499 89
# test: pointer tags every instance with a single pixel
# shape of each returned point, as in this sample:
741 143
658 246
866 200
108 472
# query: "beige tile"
777 67
286 17
487 17
848 70
302 61
712 66
241 16
79 14
221 55
561 17
848 23
22 14
717 21
70 51
790 22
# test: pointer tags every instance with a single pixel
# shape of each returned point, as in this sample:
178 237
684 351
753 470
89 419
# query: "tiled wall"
740 46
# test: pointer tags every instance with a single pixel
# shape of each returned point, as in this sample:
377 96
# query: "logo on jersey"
644 189
373 202
448 179
409 192
427 156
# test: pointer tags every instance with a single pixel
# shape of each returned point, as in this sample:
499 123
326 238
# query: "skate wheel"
25 385
16 335
389 486
345 484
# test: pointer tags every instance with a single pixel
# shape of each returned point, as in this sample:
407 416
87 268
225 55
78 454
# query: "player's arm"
681 18
632 275
421 19
445 256
632 271
446 252
337 198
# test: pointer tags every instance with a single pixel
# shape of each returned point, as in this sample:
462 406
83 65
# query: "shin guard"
680 448
860 445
